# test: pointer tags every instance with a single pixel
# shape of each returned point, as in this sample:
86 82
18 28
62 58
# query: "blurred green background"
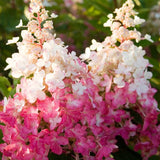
77 24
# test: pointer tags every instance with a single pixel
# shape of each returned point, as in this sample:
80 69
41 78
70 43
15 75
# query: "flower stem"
115 4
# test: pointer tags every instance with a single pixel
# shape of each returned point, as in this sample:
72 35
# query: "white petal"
148 37
20 24
5 104
13 40
53 15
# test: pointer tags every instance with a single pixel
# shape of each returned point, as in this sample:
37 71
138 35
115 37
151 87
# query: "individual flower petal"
13 40
53 15
148 37
20 24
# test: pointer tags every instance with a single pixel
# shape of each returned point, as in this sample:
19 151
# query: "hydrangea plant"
64 105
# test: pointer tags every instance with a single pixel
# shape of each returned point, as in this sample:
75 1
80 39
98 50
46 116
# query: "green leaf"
138 3
5 86
1 135
156 81
9 18
125 153
52 156
154 158
15 82
155 63
136 117
158 48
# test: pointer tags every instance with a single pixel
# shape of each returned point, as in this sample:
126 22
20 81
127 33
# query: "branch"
115 3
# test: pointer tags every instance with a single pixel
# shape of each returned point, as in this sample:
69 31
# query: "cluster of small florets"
63 105
120 70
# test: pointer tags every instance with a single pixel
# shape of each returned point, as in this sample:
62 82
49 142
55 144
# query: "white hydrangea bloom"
87 54
109 22
78 88
21 64
51 50
140 85
48 24
123 69
31 89
35 6
124 62
147 75
119 81
42 59
96 45
52 82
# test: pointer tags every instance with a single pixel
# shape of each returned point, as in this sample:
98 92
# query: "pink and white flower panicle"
63 105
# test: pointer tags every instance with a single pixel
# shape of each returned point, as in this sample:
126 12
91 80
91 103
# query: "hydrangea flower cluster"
119 69
63 105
